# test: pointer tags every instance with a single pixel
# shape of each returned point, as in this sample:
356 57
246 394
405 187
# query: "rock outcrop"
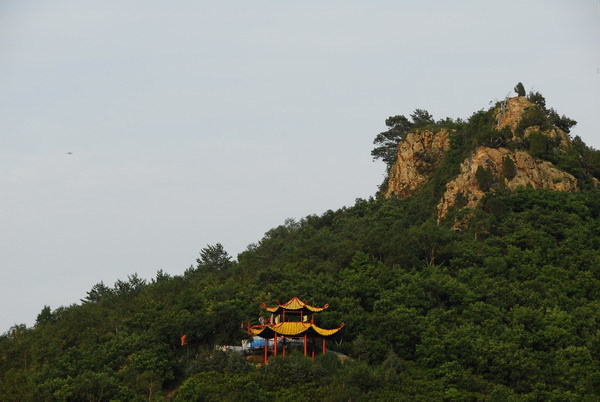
528 172
554 134
418 155
510 112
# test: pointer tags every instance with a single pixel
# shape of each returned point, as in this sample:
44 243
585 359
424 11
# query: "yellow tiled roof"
295 304
292 329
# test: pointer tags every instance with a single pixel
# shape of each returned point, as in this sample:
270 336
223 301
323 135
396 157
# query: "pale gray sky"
194 122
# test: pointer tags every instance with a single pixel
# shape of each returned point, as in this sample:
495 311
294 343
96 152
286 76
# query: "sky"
133 134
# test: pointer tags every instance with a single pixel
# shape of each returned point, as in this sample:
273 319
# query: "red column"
324 349
275 345
305 345
266 350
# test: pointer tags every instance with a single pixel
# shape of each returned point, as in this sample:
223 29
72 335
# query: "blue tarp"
257 342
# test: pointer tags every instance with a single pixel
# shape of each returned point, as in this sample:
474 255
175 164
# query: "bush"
539 145
537 99
485 178
533 116
520 89
562 122
509 170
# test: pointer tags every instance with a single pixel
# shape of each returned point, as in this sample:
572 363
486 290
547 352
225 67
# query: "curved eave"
325 333
295 304
293 329
262 331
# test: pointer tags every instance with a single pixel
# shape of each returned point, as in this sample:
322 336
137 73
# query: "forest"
506 308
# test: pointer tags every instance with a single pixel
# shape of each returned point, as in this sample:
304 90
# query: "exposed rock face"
510 115
529 171
418 155
422 151
555 134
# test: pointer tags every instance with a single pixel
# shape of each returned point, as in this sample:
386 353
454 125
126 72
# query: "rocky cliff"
421 152
510 112
528 172
418 155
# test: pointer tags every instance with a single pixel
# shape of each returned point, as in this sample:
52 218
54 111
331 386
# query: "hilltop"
466 277
520 157
516 143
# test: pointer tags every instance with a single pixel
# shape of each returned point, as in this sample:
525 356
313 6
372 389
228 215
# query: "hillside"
507 307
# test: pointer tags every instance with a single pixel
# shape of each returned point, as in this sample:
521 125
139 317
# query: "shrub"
562 122
539 144
537 99
509 170
533 116
520 89
485 178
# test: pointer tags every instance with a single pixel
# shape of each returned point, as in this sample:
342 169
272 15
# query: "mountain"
473 274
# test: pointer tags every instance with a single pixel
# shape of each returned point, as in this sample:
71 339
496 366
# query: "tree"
533 116
134 284
539 144
562 122
429 241
99 291
214 258
399 127
45 316
421 118
388 141
509 170
520 89
589 157
490 137
485 178
537 99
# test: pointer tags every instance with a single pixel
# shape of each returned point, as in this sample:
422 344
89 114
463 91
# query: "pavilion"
292 320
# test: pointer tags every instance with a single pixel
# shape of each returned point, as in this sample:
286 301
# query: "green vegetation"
520 89
540 145
485 178
533 116
542 117
542 141
399 127
506 309
509 170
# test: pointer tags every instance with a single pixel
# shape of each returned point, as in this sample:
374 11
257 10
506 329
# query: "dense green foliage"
508 308
429 312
